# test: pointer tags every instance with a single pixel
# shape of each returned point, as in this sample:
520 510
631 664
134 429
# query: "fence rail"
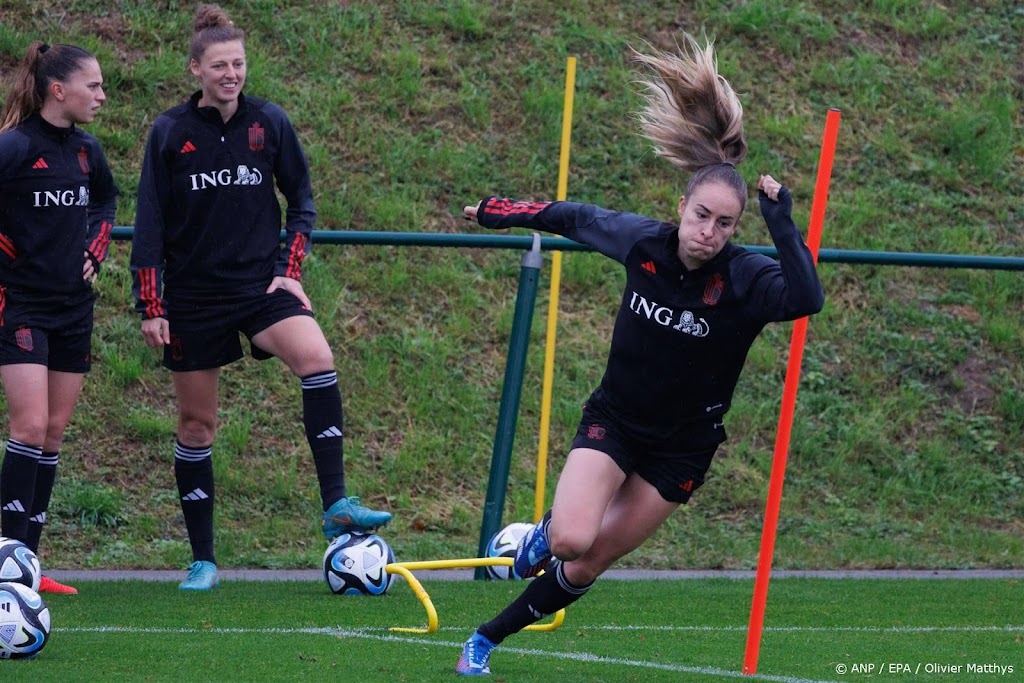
524 242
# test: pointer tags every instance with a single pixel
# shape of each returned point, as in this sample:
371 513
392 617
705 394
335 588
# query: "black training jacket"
208 220
680 337
57 201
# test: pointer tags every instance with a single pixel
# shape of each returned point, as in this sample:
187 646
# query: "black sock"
193 470
17 488
45 476
545 595
323 417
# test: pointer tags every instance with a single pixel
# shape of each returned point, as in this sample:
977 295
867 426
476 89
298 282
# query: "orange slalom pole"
796 352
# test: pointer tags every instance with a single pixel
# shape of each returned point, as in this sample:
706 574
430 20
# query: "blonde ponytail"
692 116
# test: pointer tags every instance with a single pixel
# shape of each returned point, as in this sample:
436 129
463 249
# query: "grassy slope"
907 448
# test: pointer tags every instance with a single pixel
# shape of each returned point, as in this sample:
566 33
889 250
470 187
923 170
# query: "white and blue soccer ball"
24 622
354 565
18 564
503 544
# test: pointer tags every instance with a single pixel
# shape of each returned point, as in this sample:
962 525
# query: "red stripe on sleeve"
147 292
101 243
8 246
505 207
296 255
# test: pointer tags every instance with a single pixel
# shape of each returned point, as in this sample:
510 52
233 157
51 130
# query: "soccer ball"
354 565
18 563
24 622
503 544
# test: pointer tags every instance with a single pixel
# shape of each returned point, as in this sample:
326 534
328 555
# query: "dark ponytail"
43 64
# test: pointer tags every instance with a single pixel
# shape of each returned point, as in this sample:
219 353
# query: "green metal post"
511 390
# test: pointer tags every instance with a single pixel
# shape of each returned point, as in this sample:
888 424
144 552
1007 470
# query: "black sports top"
208 220
681 337
57 201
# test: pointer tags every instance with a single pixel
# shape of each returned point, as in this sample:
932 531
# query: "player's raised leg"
636 511
588 481
300 343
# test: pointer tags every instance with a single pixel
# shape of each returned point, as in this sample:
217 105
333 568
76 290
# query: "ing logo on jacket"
242 176
48 198
665 316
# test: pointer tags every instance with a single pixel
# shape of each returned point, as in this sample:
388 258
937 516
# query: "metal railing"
504 241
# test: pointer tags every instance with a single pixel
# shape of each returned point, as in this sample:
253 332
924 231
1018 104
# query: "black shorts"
44 331
675 467
204 331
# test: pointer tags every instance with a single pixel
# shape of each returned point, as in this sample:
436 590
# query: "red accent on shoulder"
256 137
713 290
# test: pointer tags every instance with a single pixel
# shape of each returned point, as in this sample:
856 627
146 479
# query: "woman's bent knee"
570 545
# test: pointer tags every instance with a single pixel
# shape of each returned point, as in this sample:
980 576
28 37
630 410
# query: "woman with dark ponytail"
207 264
693 304
57 203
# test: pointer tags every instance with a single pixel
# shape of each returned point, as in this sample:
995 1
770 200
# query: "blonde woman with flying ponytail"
693 304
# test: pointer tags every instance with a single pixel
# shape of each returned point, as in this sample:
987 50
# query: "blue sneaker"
533 552
202 576
348 515
476 654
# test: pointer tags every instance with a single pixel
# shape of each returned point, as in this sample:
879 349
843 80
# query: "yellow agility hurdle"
404 569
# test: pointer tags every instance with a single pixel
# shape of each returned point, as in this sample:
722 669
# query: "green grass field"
644 631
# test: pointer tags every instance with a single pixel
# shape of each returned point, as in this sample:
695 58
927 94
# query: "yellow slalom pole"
556 282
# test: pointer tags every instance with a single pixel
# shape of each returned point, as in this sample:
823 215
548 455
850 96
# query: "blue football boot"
533 552
202 576
348 515
476 654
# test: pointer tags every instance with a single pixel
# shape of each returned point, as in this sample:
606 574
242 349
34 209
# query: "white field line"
379 634
375 634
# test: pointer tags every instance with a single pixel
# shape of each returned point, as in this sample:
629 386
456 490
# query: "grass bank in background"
909 434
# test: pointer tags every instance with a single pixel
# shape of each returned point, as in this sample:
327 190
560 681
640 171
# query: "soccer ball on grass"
354 565
18 564
503 544
24 622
